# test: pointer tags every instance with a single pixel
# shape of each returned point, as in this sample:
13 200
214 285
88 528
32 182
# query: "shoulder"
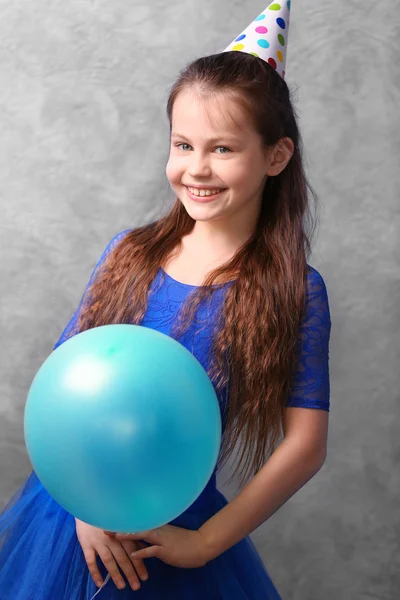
115 241
315 283
117 238
110 246
314 277
317 302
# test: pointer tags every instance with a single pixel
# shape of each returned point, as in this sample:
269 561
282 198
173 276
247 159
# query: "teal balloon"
123 427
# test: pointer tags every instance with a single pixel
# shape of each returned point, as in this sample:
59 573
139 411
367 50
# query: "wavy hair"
255 345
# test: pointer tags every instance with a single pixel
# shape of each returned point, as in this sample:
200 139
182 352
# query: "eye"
224 148
179 145
182 144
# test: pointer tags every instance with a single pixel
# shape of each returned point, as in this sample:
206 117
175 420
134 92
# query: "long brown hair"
255 346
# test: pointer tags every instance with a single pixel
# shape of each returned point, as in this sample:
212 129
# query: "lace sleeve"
310 385
72 326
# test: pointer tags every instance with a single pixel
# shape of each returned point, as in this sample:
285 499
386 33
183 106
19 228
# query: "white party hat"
266 37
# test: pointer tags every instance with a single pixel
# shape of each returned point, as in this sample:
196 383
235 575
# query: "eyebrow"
211 140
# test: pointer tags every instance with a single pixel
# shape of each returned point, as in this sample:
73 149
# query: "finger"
111 566
125 563
138 564
152 536
148 552
90 557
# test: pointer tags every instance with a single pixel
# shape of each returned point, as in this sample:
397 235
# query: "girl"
226 273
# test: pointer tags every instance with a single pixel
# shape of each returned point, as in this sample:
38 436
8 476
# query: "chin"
200 213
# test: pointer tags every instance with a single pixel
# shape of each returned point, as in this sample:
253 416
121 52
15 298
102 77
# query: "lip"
202 187
202 198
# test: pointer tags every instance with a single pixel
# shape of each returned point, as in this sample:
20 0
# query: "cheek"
172 172
168 170
244 176
237 177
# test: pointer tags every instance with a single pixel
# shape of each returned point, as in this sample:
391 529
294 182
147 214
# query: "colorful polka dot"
269 35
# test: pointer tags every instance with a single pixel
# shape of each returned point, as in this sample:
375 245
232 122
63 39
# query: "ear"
279 156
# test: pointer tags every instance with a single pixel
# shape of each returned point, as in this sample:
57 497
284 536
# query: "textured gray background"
83 146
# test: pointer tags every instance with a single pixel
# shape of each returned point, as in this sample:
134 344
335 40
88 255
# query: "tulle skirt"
41 559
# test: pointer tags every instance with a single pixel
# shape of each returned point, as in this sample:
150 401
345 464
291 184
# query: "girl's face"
215 148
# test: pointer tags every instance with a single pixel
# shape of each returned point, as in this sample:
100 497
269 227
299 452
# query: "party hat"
266 37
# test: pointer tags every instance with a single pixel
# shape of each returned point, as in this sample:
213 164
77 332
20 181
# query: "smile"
204 191
203 195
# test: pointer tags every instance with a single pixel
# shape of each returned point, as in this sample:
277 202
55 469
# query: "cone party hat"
267 36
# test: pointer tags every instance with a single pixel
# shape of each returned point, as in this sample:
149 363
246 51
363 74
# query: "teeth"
197 192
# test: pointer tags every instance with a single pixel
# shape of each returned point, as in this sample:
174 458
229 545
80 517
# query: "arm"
295 461
71 328
298 458
303 450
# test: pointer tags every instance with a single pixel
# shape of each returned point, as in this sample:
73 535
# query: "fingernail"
99 583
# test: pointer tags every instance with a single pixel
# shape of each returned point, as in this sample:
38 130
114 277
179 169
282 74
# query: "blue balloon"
123 427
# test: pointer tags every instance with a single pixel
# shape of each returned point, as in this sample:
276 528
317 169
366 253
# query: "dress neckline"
188 285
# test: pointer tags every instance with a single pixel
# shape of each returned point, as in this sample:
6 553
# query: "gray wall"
83 146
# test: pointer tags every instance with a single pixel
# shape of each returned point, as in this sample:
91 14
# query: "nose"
199 165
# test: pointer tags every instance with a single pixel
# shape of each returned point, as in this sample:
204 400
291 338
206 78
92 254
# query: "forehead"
216 114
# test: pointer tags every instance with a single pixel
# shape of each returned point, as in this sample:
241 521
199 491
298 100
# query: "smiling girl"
225 272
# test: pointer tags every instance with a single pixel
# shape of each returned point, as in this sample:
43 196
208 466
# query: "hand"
175 546
111 551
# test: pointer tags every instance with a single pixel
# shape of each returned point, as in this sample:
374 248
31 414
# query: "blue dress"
40 556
